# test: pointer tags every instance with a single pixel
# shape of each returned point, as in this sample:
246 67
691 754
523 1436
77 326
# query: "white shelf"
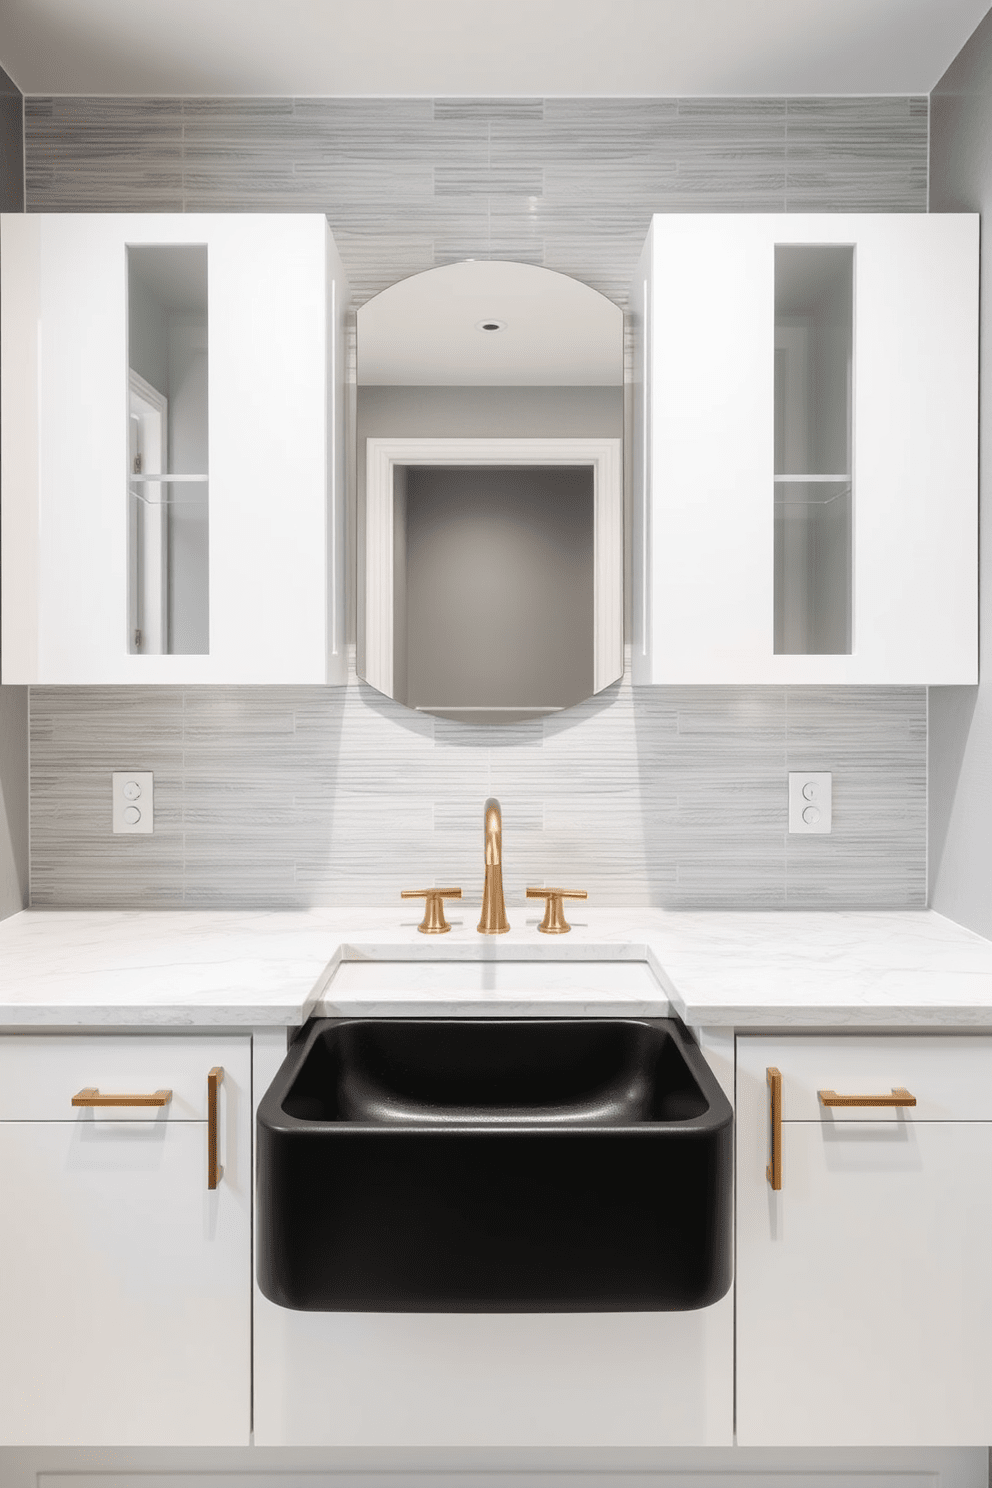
164 479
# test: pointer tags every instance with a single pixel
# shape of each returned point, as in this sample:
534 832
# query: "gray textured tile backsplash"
290 796
410 183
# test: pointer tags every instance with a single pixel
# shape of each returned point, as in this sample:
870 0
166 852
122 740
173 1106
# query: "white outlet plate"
810 800
134 801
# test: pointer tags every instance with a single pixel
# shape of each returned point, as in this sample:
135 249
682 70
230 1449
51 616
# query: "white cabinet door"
205 349
864 1295
125 1281
805 501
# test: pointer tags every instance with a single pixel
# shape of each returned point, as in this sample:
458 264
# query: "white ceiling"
428 330
483 48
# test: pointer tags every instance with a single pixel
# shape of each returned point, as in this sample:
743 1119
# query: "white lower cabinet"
125 1281
864 1289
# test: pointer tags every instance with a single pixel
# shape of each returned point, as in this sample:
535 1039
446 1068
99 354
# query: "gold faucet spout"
493 921
494 832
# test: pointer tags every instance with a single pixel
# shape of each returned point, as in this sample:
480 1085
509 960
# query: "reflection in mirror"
168 590
490 420
498 563
496 593
814 352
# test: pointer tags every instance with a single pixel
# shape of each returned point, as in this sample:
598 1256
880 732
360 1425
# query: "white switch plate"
134 801
810 800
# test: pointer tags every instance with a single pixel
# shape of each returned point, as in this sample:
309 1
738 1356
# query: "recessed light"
490 324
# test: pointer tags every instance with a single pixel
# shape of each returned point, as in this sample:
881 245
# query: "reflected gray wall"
147 329
499 587
960 724
289 796
13 700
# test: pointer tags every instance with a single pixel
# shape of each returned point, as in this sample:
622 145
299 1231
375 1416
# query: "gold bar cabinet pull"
90 1096
773 1172
554 922
433 922
214 1169
898 1097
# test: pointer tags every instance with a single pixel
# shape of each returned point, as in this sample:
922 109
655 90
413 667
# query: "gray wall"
500 591
13 700
961 717
288 796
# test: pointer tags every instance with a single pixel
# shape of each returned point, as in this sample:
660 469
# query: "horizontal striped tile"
465 110
279 797
506 180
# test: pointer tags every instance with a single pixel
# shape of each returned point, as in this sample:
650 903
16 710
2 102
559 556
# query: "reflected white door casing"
387 456
147 556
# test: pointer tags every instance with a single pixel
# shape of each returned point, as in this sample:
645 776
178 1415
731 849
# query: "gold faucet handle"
433 922
554 922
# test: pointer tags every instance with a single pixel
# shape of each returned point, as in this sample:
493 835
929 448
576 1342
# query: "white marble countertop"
192 969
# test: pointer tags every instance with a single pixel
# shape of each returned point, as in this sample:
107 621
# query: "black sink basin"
494 1165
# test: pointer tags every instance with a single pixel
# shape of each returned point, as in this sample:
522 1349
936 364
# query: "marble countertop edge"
151 1016
911 969
815 1017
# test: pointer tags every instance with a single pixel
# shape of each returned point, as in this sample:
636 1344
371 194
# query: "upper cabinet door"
172 449
806 450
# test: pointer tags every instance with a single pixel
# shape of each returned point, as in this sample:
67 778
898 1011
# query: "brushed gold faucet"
554 922
493 921
433 922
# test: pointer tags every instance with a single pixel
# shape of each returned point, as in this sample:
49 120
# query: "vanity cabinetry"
125 1281
805 506
862 1300
172 452
864 1295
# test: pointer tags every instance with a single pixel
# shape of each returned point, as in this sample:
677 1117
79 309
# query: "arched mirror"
490 421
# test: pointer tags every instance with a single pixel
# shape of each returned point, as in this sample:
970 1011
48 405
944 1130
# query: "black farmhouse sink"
494 1165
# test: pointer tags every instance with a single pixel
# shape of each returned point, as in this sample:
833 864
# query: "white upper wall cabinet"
172 449
806 450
